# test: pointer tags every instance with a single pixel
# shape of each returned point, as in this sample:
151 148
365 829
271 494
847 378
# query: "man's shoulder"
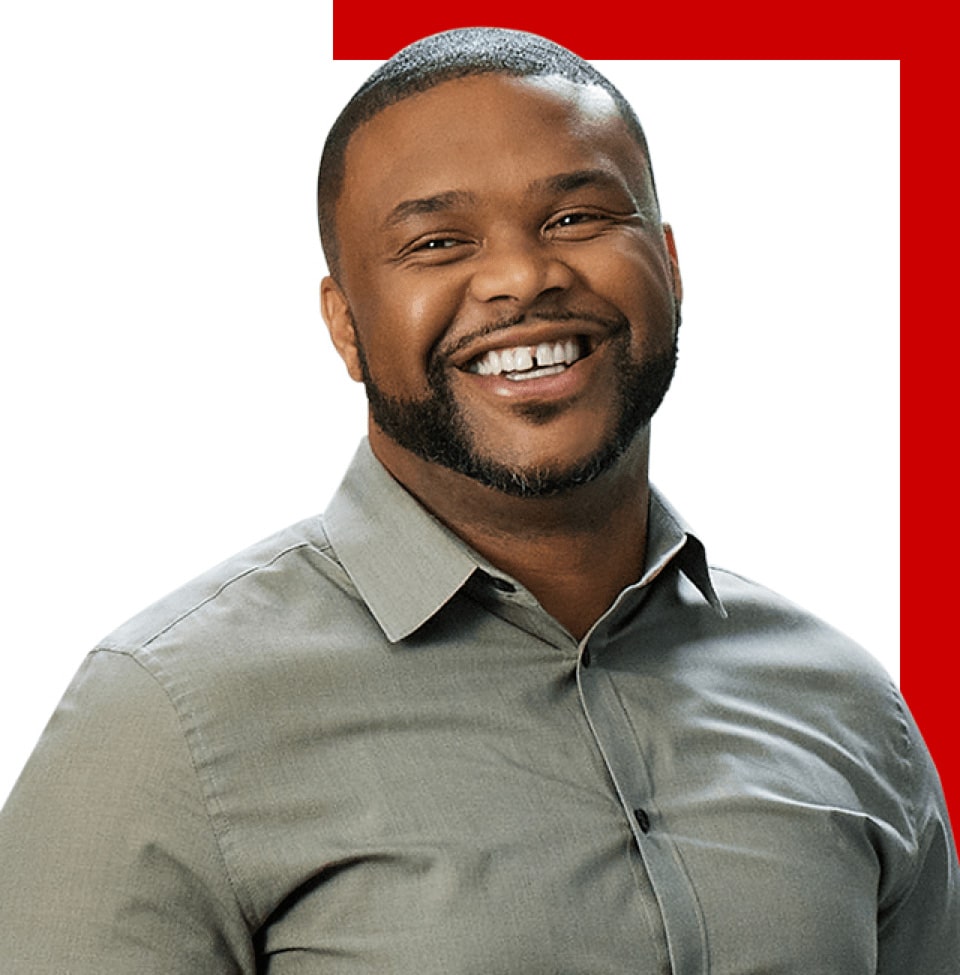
775 634
270 576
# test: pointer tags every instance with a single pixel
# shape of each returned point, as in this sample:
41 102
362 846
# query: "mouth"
521 363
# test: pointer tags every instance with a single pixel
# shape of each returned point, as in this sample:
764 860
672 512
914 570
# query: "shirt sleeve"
919 930
108 862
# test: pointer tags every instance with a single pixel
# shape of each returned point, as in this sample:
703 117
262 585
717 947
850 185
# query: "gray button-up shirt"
359 748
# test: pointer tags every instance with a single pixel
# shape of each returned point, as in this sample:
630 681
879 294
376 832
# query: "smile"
523 362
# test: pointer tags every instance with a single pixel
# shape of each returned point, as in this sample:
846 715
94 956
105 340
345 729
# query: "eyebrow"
577 179
441 202
437 203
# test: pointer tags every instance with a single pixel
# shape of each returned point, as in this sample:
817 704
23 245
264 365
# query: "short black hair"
459 53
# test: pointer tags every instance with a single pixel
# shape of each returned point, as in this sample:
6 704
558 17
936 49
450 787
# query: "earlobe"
674 263
336 313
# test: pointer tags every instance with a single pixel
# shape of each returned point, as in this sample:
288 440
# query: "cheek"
629 277
399 320
636 279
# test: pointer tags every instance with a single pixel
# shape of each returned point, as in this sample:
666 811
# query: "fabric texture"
358 747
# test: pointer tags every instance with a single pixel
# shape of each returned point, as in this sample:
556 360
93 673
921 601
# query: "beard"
435 429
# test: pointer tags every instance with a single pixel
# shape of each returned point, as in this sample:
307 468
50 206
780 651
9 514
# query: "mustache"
611 323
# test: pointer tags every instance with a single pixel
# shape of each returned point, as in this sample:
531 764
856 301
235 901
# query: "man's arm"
919 929
108 861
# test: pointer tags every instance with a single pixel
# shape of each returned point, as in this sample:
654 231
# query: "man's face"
506 291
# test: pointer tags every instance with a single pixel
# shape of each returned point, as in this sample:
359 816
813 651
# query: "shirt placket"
660 860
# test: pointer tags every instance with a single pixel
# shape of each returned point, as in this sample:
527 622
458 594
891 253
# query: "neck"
575 551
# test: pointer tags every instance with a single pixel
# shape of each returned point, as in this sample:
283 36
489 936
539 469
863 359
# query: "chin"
549 477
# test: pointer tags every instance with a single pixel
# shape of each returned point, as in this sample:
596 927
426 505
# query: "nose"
518 270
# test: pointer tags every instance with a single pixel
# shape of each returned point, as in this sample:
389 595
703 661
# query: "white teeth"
519 377
526 361
489 365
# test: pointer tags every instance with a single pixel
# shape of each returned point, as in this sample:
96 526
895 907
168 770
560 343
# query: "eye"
573 219
436 244
436 249
577 224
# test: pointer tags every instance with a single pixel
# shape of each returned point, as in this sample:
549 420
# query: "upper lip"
591 331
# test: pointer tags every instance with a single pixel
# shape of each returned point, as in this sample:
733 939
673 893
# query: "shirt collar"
406 565
669 537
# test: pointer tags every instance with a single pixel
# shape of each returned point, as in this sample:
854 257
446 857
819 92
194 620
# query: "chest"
536 824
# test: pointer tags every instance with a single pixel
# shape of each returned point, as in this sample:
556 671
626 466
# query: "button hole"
643 820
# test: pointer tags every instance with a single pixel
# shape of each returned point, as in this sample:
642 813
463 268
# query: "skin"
493 212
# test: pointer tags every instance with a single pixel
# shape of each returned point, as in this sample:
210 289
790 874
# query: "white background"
169 394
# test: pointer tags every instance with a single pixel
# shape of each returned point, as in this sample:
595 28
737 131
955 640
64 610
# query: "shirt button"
643 820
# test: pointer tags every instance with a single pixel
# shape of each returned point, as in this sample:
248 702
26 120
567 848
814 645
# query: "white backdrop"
169 394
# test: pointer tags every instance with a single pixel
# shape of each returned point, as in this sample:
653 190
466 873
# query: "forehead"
485 133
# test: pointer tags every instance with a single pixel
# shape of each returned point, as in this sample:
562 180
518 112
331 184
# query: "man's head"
461 53
501 281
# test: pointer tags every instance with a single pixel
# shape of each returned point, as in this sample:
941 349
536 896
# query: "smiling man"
492 711
505 289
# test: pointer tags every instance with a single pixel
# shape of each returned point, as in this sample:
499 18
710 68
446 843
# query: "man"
491 712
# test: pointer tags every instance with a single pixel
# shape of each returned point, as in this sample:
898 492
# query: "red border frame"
928 670
625 32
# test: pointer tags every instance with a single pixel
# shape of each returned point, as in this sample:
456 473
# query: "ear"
674 263
336 313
